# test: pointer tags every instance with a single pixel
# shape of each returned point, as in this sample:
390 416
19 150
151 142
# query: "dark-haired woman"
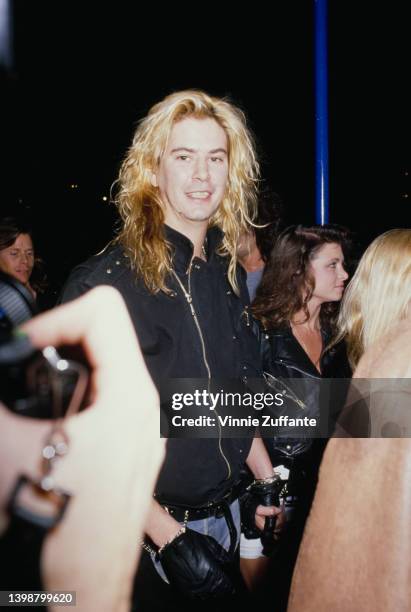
295 307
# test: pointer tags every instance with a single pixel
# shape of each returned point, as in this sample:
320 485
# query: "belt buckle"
220 509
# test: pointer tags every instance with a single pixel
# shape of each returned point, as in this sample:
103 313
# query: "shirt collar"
183 248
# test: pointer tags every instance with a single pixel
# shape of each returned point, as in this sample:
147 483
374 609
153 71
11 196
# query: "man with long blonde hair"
186 190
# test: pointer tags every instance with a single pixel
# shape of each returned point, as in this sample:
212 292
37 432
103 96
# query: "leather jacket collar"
287 350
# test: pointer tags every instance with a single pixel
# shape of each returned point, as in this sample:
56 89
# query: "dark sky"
82 78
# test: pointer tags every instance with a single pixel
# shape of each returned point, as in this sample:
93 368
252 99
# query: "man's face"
17 260
246 244
193 172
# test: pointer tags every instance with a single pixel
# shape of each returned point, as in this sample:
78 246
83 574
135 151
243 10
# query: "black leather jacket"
289 370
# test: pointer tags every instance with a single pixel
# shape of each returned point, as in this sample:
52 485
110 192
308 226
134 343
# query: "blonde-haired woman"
379 293
358 533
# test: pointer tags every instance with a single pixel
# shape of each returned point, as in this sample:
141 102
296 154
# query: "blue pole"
6 35
321 113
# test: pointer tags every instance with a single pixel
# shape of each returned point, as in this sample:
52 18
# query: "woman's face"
17 260
327 268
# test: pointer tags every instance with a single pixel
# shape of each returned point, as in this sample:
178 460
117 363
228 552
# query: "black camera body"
27 382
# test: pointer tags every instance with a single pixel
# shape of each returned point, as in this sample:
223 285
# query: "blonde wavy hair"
378 295
139 202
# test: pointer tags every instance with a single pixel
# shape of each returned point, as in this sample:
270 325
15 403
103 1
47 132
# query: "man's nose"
201 170
24 258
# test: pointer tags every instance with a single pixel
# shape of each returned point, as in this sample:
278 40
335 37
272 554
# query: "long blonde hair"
378 294
139 203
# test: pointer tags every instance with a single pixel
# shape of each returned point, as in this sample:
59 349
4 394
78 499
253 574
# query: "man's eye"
333 265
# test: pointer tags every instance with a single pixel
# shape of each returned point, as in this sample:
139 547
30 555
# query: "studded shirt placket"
189 300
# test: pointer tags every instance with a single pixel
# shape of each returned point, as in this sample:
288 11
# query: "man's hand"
198 566
160 527
253 513
263 511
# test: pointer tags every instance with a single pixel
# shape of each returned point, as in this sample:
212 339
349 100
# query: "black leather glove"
260 494
197 566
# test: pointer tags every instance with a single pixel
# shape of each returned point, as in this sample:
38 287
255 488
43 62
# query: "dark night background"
84 73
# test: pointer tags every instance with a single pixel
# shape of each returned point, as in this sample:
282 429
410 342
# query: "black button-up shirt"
194 471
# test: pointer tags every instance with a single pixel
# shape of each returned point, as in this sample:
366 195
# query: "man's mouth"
199 195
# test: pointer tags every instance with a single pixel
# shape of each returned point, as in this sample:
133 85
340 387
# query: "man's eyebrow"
188 150
176 150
